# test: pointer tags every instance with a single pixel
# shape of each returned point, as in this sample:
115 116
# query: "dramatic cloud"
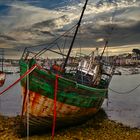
30 22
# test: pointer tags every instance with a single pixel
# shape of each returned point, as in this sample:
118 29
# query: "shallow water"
10 101
123 108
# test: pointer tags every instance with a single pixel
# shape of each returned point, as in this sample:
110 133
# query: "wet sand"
98 128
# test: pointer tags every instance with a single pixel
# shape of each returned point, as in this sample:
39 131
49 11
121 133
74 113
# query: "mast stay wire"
51 44
60 35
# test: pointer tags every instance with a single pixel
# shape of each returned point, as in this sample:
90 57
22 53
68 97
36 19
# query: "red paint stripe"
55 98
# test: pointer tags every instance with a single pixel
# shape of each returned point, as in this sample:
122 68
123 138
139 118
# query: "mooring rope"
28 103
55 99
125 92
21 77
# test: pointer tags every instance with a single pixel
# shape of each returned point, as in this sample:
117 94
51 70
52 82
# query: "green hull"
75 102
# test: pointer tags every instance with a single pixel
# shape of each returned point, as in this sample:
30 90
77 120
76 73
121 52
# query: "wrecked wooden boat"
69 92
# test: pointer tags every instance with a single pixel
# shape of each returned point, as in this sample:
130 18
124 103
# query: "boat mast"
78 25
106 43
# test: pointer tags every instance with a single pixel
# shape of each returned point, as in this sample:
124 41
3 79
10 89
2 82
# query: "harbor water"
122 108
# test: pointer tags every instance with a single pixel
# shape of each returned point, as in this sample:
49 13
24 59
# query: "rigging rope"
125 92
55 99
50 45
21 77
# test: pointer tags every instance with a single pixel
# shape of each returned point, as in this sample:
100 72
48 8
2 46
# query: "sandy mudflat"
98 128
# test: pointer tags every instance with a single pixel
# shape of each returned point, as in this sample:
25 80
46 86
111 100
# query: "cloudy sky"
27 23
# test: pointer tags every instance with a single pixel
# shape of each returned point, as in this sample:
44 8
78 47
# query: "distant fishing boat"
2 73
69 93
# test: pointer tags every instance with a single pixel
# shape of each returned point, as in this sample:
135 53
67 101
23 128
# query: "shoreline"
99 127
